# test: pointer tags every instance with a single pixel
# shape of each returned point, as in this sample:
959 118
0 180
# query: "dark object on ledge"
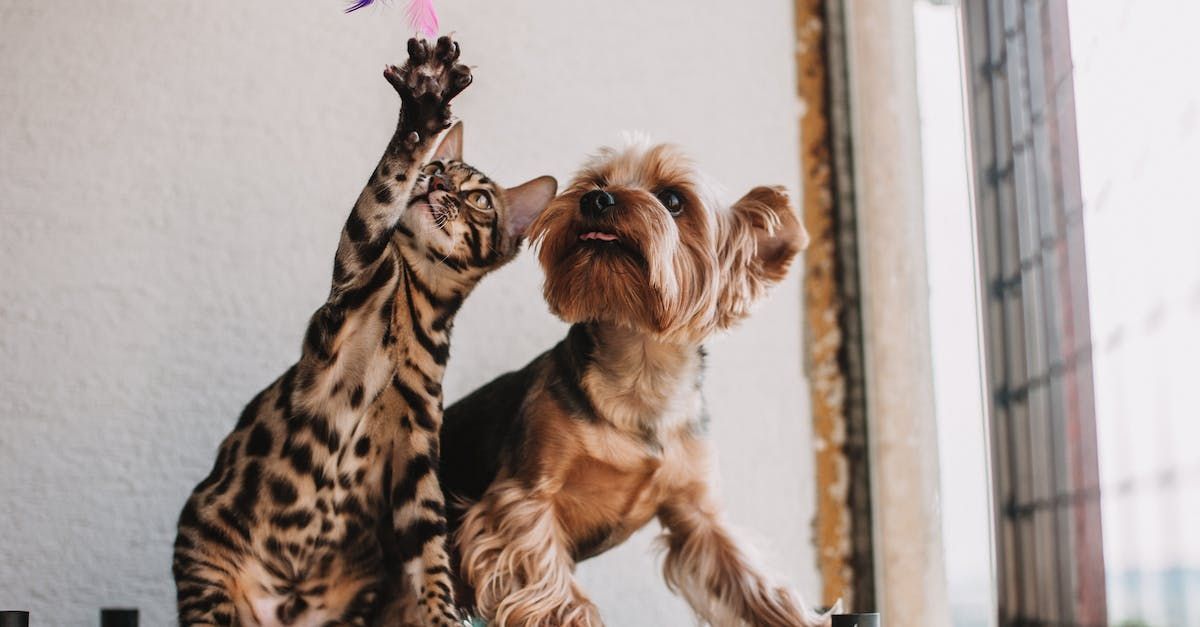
856 620
13 618
118 617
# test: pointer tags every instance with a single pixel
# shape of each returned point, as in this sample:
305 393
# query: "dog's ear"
451 146
526 202
759 237
778 234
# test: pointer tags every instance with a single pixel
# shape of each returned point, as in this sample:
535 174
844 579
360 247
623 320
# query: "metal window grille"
1049 560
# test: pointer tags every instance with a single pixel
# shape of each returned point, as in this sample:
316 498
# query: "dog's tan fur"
589 473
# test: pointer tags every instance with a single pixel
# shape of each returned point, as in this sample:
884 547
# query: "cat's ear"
451 147
526 202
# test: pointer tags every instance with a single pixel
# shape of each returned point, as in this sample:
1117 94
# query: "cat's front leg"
426 84
419 524
344 333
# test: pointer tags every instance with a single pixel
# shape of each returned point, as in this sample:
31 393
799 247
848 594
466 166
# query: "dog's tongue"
604 237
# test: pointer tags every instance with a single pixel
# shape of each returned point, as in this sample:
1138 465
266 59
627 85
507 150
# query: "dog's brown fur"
604 432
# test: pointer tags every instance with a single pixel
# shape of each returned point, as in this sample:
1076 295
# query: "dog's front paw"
426 83
575 612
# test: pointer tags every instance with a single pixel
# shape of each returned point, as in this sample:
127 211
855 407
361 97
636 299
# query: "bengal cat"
323 506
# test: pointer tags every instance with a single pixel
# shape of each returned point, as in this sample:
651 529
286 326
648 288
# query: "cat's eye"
672 201
480 200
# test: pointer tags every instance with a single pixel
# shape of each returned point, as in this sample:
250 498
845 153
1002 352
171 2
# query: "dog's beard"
663 287
606 282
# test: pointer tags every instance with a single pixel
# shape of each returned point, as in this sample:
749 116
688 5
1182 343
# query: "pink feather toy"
421 15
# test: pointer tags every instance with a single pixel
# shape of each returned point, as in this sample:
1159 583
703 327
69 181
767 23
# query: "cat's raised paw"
426 83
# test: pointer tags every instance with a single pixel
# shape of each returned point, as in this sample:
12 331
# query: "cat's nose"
596 203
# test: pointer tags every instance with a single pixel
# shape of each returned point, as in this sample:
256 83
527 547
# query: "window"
1137 107
1083 127
954 317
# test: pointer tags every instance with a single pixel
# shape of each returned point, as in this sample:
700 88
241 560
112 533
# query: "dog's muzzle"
596 203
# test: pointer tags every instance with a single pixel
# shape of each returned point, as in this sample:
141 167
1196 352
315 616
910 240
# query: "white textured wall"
173 176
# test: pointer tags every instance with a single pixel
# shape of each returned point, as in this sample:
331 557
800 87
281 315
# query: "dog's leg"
517 559
705 565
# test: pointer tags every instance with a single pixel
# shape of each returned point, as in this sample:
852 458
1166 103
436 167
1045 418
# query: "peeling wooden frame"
843 525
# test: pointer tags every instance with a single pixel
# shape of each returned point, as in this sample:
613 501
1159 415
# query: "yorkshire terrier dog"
567 457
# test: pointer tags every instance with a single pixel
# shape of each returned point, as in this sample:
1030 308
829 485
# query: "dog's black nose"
596 203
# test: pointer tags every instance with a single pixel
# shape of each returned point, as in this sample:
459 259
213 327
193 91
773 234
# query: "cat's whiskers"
440 214
433 229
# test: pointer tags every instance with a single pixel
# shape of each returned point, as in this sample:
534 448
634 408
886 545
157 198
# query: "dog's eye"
671 200
480 200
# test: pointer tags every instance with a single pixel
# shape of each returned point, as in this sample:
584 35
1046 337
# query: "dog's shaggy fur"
569 456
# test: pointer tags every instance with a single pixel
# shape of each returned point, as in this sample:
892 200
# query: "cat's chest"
335 474
328 482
